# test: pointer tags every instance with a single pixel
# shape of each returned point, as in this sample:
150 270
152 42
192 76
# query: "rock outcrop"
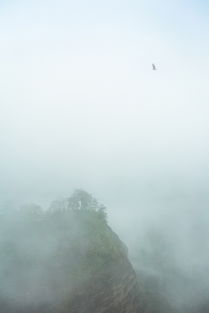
114 290
65 261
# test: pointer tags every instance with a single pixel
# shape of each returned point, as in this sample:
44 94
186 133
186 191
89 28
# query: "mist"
80 107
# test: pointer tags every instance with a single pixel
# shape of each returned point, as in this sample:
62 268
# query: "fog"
80 107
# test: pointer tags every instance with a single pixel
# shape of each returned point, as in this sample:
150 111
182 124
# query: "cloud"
79 98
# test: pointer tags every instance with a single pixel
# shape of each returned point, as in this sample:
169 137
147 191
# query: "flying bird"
154 67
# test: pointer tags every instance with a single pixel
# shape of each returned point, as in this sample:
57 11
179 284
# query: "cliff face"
113 290
65 262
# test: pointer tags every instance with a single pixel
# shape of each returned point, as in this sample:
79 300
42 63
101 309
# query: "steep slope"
65 261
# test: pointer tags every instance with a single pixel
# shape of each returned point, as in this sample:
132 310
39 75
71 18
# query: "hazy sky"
81 107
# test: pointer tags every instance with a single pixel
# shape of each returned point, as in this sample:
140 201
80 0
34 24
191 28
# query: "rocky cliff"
65 261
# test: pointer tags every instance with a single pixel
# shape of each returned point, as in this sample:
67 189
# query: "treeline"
80 201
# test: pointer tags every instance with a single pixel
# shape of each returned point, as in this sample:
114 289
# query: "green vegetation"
50 253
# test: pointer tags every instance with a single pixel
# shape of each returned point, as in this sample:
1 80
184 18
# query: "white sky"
81 107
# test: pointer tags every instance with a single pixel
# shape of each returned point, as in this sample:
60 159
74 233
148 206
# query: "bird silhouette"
154 67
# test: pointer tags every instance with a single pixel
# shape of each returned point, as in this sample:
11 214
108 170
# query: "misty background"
80 107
